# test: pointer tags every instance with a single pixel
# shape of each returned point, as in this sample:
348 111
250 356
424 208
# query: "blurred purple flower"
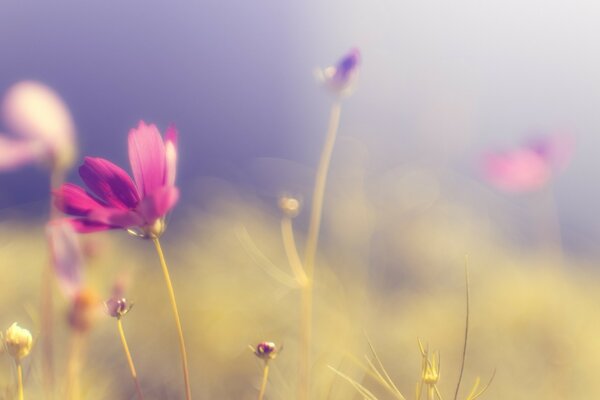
67 258
116 201
529 167
39 116
340 78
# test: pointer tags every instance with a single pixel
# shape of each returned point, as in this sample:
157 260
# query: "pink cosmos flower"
43 127
341 77
529 167
114 200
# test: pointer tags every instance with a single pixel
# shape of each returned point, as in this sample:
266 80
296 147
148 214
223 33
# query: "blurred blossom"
529 167
85 307
67 257
341 78
39 116
117 202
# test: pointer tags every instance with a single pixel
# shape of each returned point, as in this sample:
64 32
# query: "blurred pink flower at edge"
42 126
529 167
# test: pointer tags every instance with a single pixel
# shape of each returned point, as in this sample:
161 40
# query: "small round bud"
266 351
18 341
117 307
289 205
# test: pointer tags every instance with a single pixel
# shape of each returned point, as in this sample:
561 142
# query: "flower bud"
18 341
341 77
289 205
266 351
117 307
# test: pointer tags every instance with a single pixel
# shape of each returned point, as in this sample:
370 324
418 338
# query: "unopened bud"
266 351
289 205
117 307
18 341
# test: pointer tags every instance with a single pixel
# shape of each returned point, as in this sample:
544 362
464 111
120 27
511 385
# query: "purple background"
441 81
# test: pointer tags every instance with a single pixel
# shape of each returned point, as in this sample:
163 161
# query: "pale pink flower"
41 125
529 167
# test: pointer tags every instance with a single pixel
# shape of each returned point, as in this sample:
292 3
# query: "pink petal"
74 200
109 182
67 258
518 171
171 155
556 149
16 153
147 158
115 217
159 203
83 225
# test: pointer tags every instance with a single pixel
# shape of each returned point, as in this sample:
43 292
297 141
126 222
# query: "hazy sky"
441 81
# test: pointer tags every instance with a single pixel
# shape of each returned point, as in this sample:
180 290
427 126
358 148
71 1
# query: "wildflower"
18 341
67 257
116 201
529 167
42 120
340 78
290 206
266 351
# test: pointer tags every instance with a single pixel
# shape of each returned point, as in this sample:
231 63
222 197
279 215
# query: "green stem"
138 387
311 249
263 386
19 379
184 362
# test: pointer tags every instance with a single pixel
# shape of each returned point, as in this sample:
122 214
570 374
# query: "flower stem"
19 379
138 387
46 304
184 362
319 189
291 251
265 378
74 366
311 249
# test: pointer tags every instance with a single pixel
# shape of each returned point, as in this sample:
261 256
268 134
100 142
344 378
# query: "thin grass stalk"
184 361
466 337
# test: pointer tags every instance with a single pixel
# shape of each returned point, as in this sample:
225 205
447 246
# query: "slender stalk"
265 378
430 392
464 352
184 362
46 302
74 366
138 387
311 249
319 189
19 379
289 244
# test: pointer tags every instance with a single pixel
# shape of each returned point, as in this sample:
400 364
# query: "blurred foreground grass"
391 266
